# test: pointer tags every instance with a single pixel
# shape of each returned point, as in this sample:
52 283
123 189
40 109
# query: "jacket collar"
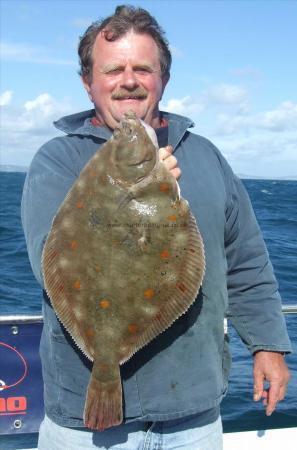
80 124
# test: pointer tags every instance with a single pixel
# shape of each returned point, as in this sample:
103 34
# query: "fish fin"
103 407
59 294
181 295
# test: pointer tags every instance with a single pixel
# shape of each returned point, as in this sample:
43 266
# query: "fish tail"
103 408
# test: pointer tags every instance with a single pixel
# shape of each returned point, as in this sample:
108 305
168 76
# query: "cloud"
44 104
220 95
260 153
185 105
259 143
5 98
282 118
226 94
25 128
22 52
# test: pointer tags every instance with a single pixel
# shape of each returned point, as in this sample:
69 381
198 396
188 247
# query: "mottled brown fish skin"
123 260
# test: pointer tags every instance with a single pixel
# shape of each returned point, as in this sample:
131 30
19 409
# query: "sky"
234 73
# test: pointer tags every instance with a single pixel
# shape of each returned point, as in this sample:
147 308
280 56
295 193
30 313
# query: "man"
173 387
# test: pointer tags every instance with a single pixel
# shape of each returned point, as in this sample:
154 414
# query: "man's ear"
86 83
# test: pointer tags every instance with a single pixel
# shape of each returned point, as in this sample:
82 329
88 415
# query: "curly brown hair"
124 19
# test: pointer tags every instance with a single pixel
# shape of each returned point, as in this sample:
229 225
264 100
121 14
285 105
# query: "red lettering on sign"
13 405
2 405
16 404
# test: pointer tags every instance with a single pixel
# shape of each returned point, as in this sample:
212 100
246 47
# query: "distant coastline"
12 168
243 176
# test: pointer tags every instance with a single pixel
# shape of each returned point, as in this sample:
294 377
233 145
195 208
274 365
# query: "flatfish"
123 260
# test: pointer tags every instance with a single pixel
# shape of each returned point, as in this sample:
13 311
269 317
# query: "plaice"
123 260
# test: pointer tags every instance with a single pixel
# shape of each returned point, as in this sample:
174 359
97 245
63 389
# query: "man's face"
126 76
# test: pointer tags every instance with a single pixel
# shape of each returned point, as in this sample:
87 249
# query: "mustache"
138 93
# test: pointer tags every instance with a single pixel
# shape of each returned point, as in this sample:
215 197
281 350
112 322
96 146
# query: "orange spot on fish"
73 245
149 293
90 332
164 187
173 217
132 328
80 205
192 250
60 288
92 173
98 268
104 303
165 254
77 284
181 287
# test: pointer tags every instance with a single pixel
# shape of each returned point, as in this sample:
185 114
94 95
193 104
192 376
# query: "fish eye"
127 129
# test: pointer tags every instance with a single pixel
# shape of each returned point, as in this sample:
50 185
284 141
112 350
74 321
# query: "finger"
170 162
264 397
165 152
282 392
258 385
176 172
273 396
284 385
169 148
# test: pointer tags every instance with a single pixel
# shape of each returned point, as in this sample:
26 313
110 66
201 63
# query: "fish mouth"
139 163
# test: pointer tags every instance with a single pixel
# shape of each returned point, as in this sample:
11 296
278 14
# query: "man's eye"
142 70
115 71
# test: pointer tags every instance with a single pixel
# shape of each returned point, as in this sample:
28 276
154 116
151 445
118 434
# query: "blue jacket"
183 371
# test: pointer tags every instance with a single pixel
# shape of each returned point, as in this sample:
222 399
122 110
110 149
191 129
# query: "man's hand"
170 161
271 367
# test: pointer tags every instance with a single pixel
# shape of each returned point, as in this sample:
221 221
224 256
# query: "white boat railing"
20 318
289 309
35 318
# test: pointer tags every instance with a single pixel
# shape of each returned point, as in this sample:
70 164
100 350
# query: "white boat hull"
281 438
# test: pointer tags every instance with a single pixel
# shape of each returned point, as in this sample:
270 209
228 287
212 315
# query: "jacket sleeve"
51 174
254 301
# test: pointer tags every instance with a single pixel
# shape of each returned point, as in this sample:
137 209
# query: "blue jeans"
171 435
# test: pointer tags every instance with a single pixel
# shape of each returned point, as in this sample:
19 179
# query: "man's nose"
129 79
